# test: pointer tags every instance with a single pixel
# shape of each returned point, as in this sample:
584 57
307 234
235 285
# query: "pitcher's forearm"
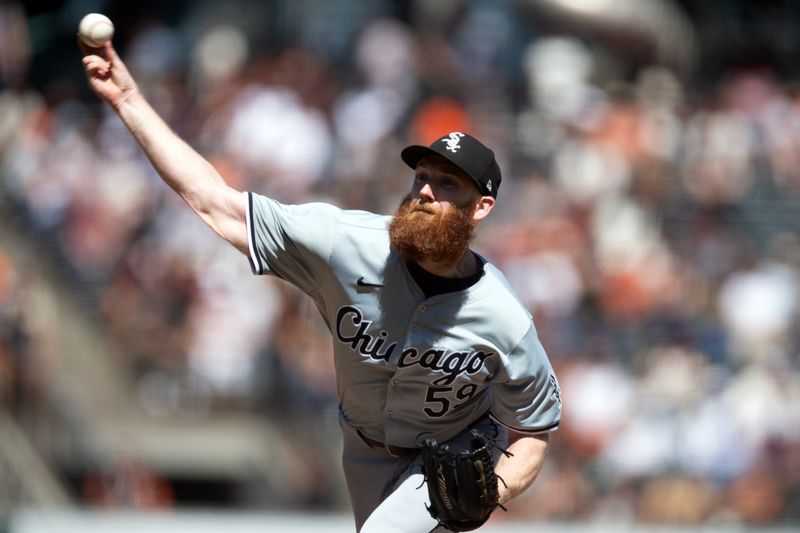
519 470
181 167
187 172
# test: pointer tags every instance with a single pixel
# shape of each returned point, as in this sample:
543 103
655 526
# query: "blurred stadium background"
649 217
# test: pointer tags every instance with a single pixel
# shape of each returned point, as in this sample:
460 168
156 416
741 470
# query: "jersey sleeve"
292 242
525 393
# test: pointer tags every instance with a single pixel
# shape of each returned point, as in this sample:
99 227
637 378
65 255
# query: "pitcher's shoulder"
365 220
502 291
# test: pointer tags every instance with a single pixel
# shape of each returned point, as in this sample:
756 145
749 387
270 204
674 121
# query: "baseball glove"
462 486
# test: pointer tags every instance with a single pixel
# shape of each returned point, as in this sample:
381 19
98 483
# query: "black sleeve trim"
255 261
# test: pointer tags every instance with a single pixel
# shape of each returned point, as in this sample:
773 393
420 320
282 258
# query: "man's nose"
426 192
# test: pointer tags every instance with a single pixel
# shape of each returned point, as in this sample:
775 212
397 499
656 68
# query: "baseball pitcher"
446 396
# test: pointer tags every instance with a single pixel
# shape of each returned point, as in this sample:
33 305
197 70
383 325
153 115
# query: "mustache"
411 205
425 208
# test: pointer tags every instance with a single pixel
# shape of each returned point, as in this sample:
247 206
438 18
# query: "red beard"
418 232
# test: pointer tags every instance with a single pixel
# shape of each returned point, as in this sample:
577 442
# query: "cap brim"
413 154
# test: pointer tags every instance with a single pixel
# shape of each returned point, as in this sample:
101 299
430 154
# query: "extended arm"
180 166
520 470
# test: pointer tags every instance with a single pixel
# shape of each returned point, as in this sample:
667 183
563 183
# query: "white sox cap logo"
453 140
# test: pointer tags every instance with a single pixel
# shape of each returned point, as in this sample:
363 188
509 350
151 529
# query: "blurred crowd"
653 230
14 337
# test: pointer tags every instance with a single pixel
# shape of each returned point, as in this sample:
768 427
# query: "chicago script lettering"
360 340
352 330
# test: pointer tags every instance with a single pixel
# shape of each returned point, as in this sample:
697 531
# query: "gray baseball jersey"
407 366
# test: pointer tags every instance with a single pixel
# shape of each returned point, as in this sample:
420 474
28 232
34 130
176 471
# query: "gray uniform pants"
387 493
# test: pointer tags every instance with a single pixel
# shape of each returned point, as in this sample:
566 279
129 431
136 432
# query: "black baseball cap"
464 151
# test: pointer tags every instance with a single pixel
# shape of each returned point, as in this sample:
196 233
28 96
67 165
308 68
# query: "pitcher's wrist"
124 98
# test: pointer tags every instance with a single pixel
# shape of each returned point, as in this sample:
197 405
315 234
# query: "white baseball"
95 29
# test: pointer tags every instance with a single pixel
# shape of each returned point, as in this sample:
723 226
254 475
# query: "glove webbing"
455 503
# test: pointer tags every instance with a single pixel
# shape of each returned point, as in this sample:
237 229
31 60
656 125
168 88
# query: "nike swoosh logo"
362 283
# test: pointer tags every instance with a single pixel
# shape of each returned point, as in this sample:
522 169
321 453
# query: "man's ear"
483 208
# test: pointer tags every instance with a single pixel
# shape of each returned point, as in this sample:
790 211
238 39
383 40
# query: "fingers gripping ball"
95 29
